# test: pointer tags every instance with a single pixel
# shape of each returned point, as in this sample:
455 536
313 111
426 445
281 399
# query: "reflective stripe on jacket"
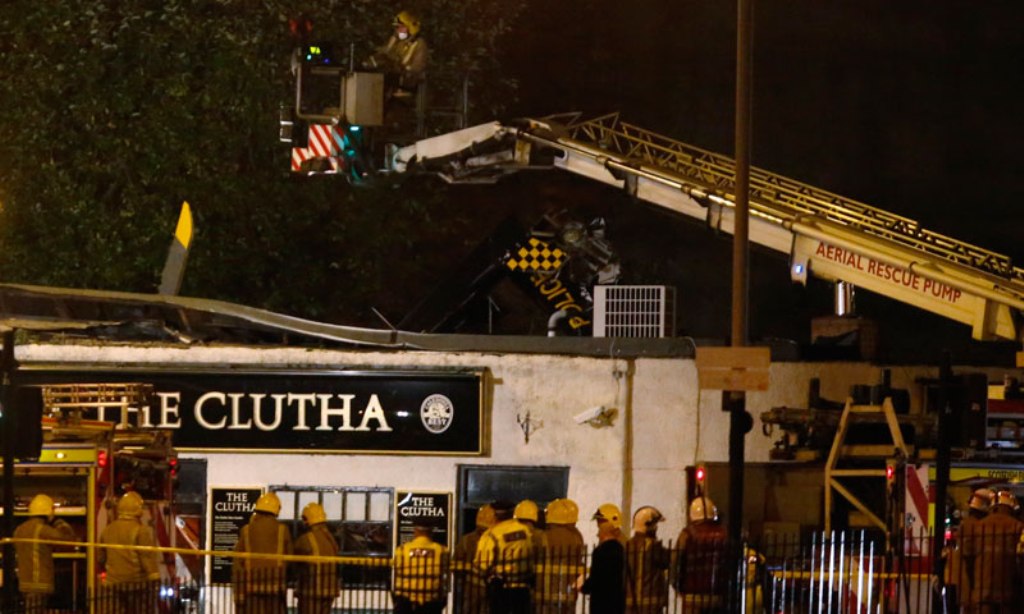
264 534
129 566
505 552
35 561
420 566
317 579
647 563
564 560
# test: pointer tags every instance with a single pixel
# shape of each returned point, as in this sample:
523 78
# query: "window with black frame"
361 520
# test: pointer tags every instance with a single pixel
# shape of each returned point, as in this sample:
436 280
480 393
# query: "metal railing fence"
982 568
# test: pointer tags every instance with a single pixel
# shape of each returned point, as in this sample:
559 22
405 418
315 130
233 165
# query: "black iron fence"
841 572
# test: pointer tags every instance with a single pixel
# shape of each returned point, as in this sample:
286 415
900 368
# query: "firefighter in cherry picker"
403 60
35 560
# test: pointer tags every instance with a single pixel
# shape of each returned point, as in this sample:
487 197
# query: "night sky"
906 106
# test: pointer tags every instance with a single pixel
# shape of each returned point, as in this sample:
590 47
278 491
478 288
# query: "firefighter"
317 582
954 572
505 558
403 58
990 549
701 577
606 582
647 563
259 583
132 576
35 561
528 513
564 559
470 595
420 565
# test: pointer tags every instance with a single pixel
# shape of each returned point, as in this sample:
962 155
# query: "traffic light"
891 472
700 475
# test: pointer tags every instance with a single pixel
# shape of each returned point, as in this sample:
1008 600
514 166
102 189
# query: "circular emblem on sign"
437 412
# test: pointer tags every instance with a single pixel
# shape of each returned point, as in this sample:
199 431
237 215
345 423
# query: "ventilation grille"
634 311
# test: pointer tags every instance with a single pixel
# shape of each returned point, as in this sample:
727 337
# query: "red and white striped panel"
916 513
325 140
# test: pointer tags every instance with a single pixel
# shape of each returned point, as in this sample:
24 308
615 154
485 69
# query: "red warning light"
890 472
101 459
700 474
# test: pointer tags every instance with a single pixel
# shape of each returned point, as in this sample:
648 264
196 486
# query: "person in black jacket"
606 584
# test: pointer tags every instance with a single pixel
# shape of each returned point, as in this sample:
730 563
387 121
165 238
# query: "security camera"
590 415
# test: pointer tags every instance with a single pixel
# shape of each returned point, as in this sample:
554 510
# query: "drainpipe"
553 321
624 378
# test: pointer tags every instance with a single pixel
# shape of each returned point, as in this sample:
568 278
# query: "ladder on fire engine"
826 235
837 469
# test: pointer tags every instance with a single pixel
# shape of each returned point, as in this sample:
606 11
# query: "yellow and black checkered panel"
535 256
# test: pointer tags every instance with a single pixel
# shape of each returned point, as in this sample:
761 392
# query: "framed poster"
230 509
431 508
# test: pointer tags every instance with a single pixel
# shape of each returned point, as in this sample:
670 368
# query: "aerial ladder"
824 234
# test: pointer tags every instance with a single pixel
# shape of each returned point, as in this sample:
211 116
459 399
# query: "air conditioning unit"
634 311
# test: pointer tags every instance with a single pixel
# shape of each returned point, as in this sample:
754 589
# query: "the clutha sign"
329 411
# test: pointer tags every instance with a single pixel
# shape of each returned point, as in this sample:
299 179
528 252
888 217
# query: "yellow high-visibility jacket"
647 563
505 552
420 567
563 561
262 576
129 566
35 561
317 579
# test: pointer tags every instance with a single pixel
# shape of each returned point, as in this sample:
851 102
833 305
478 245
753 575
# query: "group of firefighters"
130 576
506 564
982 571
510 565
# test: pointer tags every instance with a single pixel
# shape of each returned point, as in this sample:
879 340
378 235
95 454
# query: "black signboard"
414 412
433 509
230 510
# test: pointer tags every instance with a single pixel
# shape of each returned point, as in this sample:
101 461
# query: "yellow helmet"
1007 498
410 21
526 510
485 516
129 505
609 512
703 508
562 511
41 505
313 514
269 503
981 499
646 518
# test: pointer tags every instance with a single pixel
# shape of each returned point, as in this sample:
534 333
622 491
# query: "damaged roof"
52 313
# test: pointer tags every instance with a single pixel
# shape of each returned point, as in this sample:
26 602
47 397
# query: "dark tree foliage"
115 111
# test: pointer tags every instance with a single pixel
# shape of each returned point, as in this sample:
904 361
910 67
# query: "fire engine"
85 464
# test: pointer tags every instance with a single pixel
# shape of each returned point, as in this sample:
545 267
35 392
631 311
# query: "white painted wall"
670 423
